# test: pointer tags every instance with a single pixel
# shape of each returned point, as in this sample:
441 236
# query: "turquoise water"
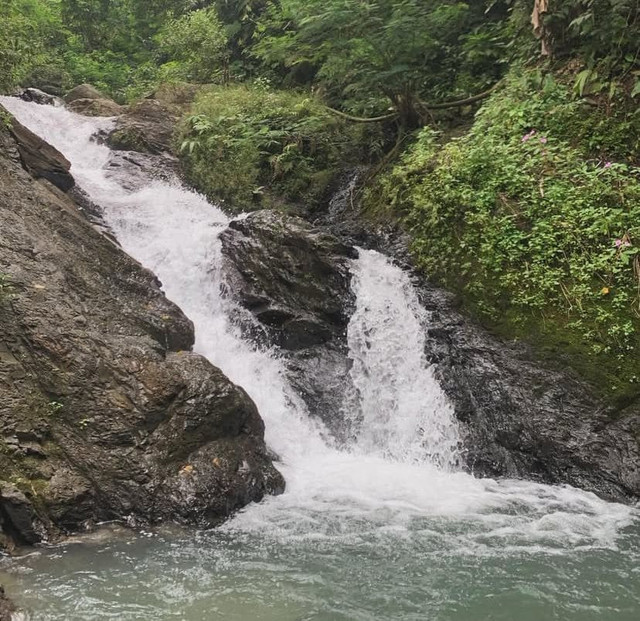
441 570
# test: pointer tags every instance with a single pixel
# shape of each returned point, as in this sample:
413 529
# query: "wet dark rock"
147 127
39 158
104 412
6 607
523 420
295 282
18 517
35 95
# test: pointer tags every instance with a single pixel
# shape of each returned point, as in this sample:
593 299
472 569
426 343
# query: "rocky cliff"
105 413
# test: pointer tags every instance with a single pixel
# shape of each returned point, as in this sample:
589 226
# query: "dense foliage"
375 54
265 144
196 44
29 29
531 213
534 217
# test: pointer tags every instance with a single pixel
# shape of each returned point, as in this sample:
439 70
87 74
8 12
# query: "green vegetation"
54 407
29 29
195 46
267 146
372 56
533 217
6 287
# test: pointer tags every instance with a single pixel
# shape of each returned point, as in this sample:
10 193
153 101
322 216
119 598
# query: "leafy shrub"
29 31
369 55
197 43
108 71
534 221
242 141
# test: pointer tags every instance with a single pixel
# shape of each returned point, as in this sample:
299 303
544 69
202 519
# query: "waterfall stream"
387 528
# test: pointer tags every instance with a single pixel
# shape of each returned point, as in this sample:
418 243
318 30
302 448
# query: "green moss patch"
534 218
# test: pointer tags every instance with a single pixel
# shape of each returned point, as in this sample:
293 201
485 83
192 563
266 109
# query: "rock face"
147 128
522 420
40 158
104 411
6 607
294 280
87 100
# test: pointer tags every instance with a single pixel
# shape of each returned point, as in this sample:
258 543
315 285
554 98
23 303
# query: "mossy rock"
128 139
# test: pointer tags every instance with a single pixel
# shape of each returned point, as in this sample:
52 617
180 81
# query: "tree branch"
438 106
460 102
359 119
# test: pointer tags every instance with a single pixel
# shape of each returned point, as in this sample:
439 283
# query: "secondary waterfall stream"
386 528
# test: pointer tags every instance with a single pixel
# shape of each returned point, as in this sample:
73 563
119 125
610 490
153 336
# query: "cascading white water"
400 469
402 412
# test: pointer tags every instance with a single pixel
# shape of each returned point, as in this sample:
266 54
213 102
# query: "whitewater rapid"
403 463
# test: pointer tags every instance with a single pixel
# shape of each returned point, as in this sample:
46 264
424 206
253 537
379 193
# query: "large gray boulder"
87 100
147 127
96 107
104 411
83 91
294 280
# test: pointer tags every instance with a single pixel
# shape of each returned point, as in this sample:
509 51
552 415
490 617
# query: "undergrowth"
253 146
534 218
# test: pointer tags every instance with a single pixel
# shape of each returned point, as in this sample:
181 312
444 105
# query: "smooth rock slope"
104 412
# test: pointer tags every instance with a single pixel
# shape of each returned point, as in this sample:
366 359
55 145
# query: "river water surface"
384 528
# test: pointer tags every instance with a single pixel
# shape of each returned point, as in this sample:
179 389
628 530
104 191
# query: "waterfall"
387 527
401 463
402 412
175 232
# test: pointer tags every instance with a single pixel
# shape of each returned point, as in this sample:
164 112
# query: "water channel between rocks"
384 528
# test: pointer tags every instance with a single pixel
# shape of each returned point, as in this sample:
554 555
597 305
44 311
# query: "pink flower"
528 136
543 140
607 165
618 243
